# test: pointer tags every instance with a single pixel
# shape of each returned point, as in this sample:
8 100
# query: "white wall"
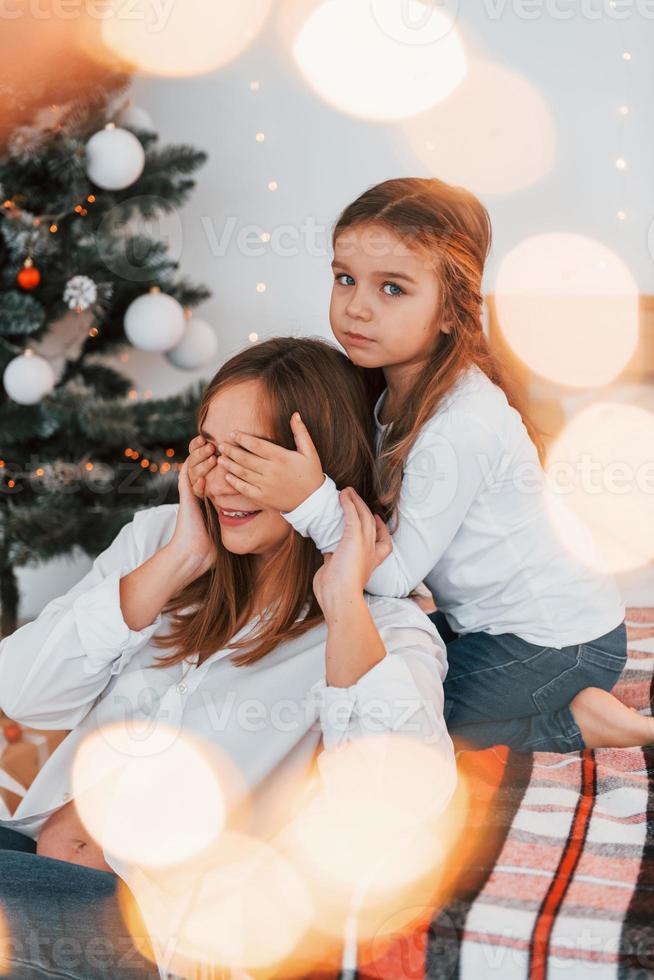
322 158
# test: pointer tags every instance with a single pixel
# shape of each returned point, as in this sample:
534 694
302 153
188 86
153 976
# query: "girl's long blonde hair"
312 377
452 227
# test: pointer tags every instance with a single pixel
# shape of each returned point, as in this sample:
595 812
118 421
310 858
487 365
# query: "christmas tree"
79 451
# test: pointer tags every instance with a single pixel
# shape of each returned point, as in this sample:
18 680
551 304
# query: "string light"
265 237
627 55
254 86
53 229
620 215
272 185
260 137
261 287
624 110
253 337
170 452
621 163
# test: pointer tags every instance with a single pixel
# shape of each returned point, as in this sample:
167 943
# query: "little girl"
535 639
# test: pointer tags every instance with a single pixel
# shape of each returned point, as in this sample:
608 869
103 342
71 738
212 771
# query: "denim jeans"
62 920
502 690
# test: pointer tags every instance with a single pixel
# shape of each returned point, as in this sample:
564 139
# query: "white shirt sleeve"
402 694
452 458
53 668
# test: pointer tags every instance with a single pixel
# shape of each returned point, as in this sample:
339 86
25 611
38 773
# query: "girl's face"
385 299
238 407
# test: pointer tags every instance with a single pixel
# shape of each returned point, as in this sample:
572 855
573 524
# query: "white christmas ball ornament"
114 158
154 321
197 347
134 117
28 378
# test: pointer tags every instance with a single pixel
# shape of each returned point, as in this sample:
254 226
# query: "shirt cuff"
300 518
378 702
104 635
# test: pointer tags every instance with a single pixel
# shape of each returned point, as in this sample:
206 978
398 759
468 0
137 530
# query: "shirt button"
181 688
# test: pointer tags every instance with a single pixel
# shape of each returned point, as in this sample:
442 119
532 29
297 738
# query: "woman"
206 579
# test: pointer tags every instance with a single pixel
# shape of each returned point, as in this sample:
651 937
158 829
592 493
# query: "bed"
556 873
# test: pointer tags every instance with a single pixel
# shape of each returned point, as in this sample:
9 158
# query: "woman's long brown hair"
452 228
307 375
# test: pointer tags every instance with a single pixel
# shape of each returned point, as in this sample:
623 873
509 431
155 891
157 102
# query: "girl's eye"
344 275
393 285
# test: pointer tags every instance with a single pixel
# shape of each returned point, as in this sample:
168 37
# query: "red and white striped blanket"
559 879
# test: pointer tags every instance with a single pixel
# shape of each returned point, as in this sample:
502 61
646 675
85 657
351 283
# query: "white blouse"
473 525
79 666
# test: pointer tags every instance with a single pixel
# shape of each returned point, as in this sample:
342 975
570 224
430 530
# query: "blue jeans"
502 690
62 920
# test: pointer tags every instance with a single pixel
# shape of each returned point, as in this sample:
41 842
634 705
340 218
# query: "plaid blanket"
555 874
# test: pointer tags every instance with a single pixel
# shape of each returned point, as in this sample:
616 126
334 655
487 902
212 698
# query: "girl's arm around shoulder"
454 457
53 668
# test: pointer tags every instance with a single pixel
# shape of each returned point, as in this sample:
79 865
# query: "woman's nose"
216 483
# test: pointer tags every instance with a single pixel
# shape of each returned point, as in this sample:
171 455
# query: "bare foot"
605 722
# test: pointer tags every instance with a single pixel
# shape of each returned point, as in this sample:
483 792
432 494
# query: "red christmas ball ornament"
12 732
29 276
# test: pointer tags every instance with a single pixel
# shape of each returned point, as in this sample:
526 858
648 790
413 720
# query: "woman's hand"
273 476
365 544
202 459
191 539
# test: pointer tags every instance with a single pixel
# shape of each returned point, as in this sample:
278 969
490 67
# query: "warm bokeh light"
376 824
568 307
6 966
247 907
122 778
189 38
495 134
363 58
601 486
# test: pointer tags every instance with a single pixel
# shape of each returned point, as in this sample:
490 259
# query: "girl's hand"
365 544
191 539
202 459
273 476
